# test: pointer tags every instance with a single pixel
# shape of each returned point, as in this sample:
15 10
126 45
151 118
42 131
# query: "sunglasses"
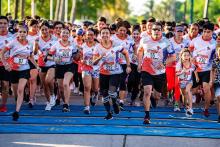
156 29
22 31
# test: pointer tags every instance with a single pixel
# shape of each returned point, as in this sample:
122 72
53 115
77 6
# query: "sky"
137 6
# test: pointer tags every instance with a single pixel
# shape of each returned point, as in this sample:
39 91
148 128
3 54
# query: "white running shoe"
176 107
80 93
48 107
86 110
189 112
76 90
52 100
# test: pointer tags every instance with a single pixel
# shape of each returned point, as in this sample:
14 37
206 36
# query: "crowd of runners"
178 62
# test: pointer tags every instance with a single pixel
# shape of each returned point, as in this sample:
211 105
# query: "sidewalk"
77 140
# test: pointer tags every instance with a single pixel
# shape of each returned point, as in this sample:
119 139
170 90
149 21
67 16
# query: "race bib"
66 54
153 55
108 67
65 59
20 61
88 62
202 60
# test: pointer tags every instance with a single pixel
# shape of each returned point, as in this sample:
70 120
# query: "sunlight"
49 145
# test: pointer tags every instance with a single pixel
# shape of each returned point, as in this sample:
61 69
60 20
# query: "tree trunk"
51 9
16 3
9 4
22 9
0 7
73 11
32 8
61 13
66 11
57 9
205 13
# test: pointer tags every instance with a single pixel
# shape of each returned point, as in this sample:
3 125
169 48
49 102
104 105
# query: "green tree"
213 11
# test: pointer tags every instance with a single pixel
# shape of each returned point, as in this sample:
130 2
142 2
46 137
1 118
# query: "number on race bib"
202 60
109 67
88 62
20 61
154 55
66 54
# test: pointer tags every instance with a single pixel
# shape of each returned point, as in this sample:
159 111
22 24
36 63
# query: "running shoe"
15 116
146 120
80 93
206 113
3 109
66 108
48 107
52 100
189 112
108 116
86 110
176 107
76 90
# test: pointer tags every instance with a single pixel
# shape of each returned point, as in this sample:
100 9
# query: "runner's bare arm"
125 53
97 58
5 63
196 75
140 54
35 47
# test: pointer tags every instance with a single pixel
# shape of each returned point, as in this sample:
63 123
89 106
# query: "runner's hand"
7 67
139 68
128 69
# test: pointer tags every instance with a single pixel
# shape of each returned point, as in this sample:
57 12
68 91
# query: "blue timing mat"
113 130
123 114
101 108
164 122
115 122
